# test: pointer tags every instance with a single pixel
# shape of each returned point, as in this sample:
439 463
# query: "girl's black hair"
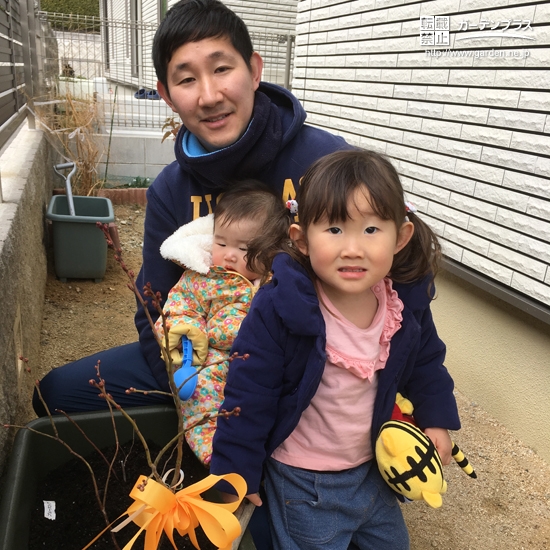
195 20
325 191
253 200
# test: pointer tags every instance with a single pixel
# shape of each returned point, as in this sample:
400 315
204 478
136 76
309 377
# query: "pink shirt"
334 431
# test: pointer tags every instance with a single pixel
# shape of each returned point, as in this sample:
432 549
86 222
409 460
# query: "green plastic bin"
79 246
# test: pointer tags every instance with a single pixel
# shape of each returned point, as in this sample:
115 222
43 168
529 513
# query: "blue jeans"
333 510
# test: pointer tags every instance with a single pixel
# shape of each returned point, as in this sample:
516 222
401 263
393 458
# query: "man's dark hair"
194 20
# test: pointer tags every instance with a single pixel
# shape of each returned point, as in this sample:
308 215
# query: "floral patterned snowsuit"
209 310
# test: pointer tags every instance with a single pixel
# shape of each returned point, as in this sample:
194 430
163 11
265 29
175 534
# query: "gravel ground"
506 508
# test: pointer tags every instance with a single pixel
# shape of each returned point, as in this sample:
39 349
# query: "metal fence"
109 61
17 60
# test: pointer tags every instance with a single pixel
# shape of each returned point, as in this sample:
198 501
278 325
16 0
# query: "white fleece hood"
191 245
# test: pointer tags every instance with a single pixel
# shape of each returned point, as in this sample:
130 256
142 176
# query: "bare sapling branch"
156 302
115 433
56 437
150 301
100 386
222 413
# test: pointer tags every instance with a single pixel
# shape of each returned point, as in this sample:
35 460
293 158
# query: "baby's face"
230 245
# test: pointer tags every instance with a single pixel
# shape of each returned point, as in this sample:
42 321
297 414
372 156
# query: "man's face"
212 89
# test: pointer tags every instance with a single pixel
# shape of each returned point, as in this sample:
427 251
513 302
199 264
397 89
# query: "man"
234 127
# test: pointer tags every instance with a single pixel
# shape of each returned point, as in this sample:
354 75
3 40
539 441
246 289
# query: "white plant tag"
49 509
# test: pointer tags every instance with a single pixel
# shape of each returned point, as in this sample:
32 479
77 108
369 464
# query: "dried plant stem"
71 126
198 369
179 436
100 386
96 448
110 465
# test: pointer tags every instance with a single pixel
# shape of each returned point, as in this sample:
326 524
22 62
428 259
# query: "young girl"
213 295
343 326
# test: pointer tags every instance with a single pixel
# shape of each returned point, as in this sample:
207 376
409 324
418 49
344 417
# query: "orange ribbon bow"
157 509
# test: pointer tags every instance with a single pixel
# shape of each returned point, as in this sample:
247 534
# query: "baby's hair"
330 181
253 200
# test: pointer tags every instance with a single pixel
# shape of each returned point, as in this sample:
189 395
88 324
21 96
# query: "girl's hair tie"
410 207
292 205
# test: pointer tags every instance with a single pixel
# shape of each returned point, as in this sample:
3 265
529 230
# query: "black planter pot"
34 456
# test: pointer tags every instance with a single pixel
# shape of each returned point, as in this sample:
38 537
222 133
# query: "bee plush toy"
409 461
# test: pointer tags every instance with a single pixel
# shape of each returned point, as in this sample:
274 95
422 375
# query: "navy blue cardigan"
284 334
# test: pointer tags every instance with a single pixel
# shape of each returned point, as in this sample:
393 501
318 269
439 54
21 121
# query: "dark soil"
78 517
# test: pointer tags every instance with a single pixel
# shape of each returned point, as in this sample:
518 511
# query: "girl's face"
352 255
230 245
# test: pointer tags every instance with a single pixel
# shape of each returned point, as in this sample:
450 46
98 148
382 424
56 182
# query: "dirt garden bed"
507 507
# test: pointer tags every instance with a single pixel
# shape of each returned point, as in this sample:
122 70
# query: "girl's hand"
442 441
252 497
255 499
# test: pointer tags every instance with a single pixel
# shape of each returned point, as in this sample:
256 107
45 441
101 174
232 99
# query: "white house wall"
468 129
130 43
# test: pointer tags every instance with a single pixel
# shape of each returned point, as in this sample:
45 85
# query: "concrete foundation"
135 154
499 358
26 180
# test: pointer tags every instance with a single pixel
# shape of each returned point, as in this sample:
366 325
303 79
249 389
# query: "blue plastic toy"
186 371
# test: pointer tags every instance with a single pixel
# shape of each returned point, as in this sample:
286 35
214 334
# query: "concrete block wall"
136 153
26 178
466 124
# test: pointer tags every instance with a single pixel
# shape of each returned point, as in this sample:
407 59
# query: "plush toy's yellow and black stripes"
425 463
462 461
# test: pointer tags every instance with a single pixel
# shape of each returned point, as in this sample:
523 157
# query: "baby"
213 295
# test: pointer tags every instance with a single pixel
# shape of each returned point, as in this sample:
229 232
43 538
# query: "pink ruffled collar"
386 323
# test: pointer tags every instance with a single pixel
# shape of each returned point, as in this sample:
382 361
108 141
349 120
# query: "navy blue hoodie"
277 148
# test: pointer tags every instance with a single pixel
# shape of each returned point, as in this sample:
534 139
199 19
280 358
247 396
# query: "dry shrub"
72 126
171 127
